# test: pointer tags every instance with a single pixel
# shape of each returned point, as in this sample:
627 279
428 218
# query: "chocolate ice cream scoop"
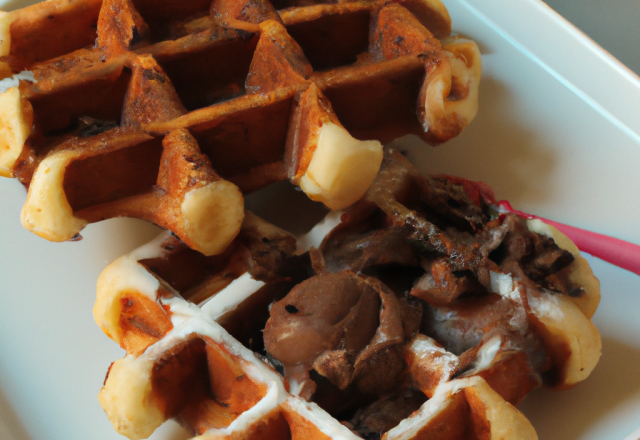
344 326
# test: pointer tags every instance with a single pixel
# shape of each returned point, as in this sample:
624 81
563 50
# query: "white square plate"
558 134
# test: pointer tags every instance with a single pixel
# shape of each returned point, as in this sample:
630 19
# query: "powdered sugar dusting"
504 285
545 304
424 347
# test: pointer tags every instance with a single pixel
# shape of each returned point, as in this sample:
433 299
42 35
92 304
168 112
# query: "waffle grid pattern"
113 79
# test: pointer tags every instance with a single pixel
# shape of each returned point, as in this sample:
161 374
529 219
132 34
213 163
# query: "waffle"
170 111
418 312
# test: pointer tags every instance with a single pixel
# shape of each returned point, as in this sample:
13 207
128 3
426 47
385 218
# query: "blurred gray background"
613 24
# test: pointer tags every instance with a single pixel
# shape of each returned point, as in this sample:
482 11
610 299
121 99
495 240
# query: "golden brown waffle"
320 338
169 111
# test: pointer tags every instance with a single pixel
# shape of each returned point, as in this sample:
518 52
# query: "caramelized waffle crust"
169 111
419 312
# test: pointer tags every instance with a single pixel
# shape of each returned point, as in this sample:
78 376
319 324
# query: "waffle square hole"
205 385
217 73
114 175
163 15
101 99
333 40
250 136
383 107
36 33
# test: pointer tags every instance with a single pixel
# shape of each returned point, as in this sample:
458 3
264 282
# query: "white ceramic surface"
558 134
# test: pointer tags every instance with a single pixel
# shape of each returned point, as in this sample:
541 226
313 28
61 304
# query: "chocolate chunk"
346 250
271 249
527 255
441 285
384 414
